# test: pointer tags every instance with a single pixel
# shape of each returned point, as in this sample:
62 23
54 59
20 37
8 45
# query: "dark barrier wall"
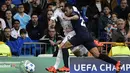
92 65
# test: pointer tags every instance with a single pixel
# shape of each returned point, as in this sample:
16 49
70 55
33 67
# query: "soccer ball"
30 67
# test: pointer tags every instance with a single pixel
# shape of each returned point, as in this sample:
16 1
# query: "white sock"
58 58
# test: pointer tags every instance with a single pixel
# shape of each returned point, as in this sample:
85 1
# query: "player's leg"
83 50
79 51
65 57
59 55
74 41
58 59
65 43
65 52
65 60
94 51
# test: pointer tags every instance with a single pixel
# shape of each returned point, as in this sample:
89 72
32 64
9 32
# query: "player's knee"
96 55
94 51
59 56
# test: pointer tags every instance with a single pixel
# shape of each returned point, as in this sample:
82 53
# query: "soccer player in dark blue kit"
84 37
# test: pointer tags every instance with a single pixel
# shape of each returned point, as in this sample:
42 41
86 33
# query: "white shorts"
68 36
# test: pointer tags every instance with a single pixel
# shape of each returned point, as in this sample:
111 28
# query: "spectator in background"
114 18
4 7
46 17
121 34
80 3
122 10
9 4
17 2
93 13
15 31
51 6
7 34
128 20
48 22
2 10
110 3
105 21
34 28
9 19
3 23
1 32
32 7
49 14
11 42
55 23
22 17
54 39
41 3
27 49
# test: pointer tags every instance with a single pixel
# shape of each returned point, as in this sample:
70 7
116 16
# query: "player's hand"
66 18
52 43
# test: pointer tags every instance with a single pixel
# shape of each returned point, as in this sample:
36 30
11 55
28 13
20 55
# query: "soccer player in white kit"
68 31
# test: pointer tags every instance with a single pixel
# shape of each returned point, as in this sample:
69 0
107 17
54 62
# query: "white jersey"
68 36
59 13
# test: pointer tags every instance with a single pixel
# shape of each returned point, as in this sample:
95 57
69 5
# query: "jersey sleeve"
75 13
55 15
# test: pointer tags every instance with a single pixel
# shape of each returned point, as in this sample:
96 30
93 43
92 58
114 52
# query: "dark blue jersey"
79 25
82 35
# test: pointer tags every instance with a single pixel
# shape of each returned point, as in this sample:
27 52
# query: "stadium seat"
5 50
119 51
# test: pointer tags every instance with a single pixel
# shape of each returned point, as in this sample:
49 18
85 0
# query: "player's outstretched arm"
74 17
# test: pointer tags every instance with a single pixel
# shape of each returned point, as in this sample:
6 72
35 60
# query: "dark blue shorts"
83 39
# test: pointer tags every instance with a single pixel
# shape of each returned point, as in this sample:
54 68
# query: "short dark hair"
70 6
6 28
3 4
50 10
15 21
8 10
114 13
23 31
34 14
52 3
51 27
20 5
